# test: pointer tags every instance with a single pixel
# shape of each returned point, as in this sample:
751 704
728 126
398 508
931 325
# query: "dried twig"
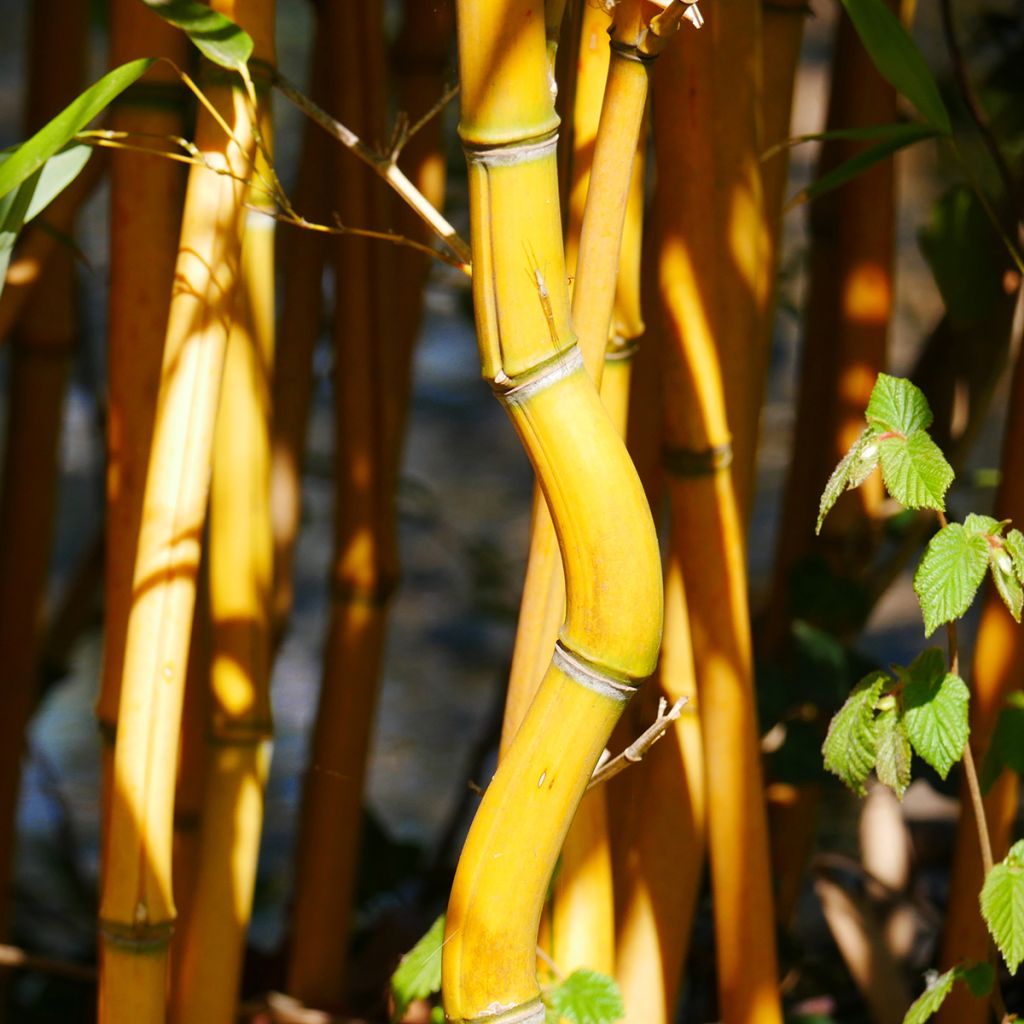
634 753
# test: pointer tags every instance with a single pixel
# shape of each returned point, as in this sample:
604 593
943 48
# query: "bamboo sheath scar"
146 193
44 341
707 529
137 907
998 670
612 628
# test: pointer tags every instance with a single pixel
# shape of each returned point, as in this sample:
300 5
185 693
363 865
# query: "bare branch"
635 752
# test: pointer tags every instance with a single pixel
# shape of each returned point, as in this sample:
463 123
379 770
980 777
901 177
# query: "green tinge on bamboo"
370 384
659 825
145 213
240 559
44 340
708 531
998 670
137 907
607 540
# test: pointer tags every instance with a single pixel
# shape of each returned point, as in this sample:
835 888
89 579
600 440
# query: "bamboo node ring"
513 153
137 938
532 1012
516 390
695 462
592 677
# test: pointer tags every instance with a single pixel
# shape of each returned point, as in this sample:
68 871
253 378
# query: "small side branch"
635 752
383 165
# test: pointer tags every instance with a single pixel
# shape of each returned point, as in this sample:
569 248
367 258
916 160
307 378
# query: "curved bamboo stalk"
707 527
43 344
145 213
612 626
369 384
137 908
998 670
240 729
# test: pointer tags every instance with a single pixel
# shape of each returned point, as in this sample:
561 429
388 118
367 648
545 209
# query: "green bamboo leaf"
935 706
586 997
915 471
898 59
419 973
854 468
949 575
897 406
218 38
867 133
848 170
851 745
1002 906
30 156
892 764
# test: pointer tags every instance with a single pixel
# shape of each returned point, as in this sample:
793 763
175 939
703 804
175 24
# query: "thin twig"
383 165
634 753
18 959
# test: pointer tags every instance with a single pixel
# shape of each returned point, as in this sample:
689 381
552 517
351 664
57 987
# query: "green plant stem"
977 805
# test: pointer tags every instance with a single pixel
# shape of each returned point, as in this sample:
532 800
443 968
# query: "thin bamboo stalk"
613 603
998 670
302 309
240 729
707 530
145 213
137 907
369 384
44 341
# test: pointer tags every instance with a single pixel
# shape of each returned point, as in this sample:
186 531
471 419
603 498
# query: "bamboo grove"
652 836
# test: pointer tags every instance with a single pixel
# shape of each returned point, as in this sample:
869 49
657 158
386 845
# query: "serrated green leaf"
419 973
1002 906
949 575
586 997
218 38
979 978
931 999
1006 581
984 526
30 156
897 405
866 159
854 468
892 763
851 745
935 706
437 1015
898 59
1014 545
915 471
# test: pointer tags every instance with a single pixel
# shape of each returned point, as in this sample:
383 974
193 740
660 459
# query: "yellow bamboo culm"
707 525
137 907
609 549
369 385
239 727
998 670
145 197
44 340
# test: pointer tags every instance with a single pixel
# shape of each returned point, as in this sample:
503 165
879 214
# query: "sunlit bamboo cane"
239 726
707 526
43 343
998 670
145 199
368 390
607 540
137 908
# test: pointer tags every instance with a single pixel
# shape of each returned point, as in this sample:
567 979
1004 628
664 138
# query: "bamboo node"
516 152
696 462
532 1012
517 390
620 349
591 676
141 936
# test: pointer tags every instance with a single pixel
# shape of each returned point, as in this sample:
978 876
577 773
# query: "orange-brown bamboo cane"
43 345
145 214
302 309
527 353
368 388
240 572
707 528
137 906
998 670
